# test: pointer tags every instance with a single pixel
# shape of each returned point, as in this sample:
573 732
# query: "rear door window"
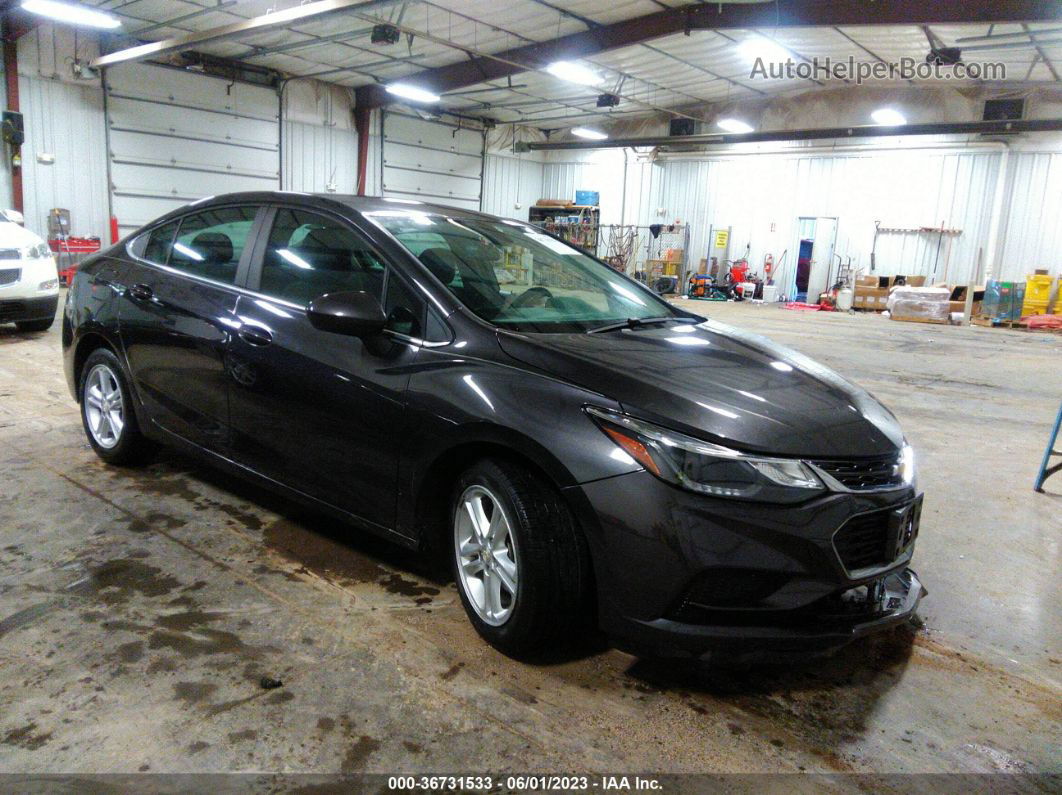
154 245
210 243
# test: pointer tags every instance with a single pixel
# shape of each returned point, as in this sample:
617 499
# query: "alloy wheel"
104 407
488 566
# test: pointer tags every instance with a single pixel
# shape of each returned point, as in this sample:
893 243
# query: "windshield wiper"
635 322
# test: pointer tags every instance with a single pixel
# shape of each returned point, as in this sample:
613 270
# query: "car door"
318 411
177 317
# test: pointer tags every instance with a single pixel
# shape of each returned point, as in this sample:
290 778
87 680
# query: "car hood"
15 236
719 383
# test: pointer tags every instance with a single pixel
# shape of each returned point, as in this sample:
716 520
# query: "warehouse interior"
143 611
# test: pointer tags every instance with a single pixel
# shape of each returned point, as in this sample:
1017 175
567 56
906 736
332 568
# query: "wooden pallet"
931 321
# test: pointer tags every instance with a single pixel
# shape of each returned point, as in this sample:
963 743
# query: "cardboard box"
673 255
872 298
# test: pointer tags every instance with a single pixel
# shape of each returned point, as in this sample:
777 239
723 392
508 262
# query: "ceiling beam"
248 27
856 131
684 19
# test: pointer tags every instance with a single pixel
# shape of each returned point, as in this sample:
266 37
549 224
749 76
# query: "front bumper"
18 309
682 575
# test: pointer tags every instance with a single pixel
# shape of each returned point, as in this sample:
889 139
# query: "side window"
154 246
309 255
404 308
210 243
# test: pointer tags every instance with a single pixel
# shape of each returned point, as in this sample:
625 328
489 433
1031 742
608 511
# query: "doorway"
816 241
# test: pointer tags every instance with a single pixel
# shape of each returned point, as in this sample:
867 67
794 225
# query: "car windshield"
516 277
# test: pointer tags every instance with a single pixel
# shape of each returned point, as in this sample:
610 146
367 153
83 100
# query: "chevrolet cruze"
581 451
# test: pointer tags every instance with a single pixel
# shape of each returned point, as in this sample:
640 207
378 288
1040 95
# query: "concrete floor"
140 608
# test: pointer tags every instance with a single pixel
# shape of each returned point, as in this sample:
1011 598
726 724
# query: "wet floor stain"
27 737
358 754
115 581
193 692
26 617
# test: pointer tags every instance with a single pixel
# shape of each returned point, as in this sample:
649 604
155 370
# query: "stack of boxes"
872 292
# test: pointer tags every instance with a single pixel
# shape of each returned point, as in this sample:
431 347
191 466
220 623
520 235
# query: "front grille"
864 541
864 474
10 310
9 276
10 253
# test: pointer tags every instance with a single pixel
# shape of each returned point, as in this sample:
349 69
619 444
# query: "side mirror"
15 217
356 314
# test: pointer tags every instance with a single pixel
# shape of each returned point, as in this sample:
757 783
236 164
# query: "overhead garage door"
431 160
174 137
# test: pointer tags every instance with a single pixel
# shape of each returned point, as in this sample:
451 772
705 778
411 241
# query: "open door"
817 238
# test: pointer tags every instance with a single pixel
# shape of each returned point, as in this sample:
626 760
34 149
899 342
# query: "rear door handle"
255 336
141 292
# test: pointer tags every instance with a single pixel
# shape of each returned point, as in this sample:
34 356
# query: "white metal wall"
174 137
65 121
511 184
431 160
319 159
1031 231
763 195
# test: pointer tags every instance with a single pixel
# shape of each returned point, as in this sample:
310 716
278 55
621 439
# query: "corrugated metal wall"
509 181
64 120
319 159
763 196
1031 231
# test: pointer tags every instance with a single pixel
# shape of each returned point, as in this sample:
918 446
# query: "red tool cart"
69 252
69 249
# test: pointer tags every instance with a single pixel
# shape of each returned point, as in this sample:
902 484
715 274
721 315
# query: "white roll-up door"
174 137
432 160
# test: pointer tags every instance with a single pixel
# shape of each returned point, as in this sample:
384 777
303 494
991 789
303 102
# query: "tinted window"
404 309
154 246
310 255
210 243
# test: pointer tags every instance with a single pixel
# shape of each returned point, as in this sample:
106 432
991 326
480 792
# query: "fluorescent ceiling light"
574 73
888 117
407 91
734 126
71 13
587 132
758 47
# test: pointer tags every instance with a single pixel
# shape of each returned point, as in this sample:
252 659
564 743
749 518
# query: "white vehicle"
29 279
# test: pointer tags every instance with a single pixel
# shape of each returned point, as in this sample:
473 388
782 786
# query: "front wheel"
107 411
521 566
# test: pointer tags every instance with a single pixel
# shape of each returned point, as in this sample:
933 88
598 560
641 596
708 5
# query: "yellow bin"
1037 293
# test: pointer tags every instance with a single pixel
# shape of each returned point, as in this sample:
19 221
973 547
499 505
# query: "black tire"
131 447
34 325
554 595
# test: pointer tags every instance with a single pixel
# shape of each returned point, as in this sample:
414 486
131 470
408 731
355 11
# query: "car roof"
361 204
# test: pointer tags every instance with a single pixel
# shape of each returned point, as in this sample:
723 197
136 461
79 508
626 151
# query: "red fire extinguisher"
768 264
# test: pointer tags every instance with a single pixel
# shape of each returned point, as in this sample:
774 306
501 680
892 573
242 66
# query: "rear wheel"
107 411
35 325
521 567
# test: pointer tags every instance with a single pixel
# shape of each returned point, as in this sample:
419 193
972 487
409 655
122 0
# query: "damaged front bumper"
820 628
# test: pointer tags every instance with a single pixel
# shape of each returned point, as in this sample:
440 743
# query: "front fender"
460 402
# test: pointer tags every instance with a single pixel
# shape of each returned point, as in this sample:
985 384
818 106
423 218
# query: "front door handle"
141 292
252 335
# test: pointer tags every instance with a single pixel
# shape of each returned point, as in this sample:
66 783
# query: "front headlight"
708 468
907 464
